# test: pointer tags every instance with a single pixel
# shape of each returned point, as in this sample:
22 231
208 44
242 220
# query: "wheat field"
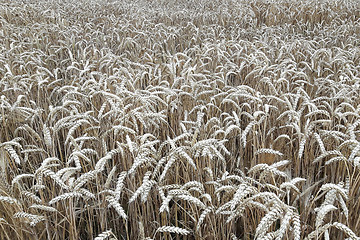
179 119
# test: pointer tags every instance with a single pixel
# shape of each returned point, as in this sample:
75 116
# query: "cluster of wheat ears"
190 119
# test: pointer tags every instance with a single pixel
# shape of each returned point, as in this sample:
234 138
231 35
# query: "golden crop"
179 119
